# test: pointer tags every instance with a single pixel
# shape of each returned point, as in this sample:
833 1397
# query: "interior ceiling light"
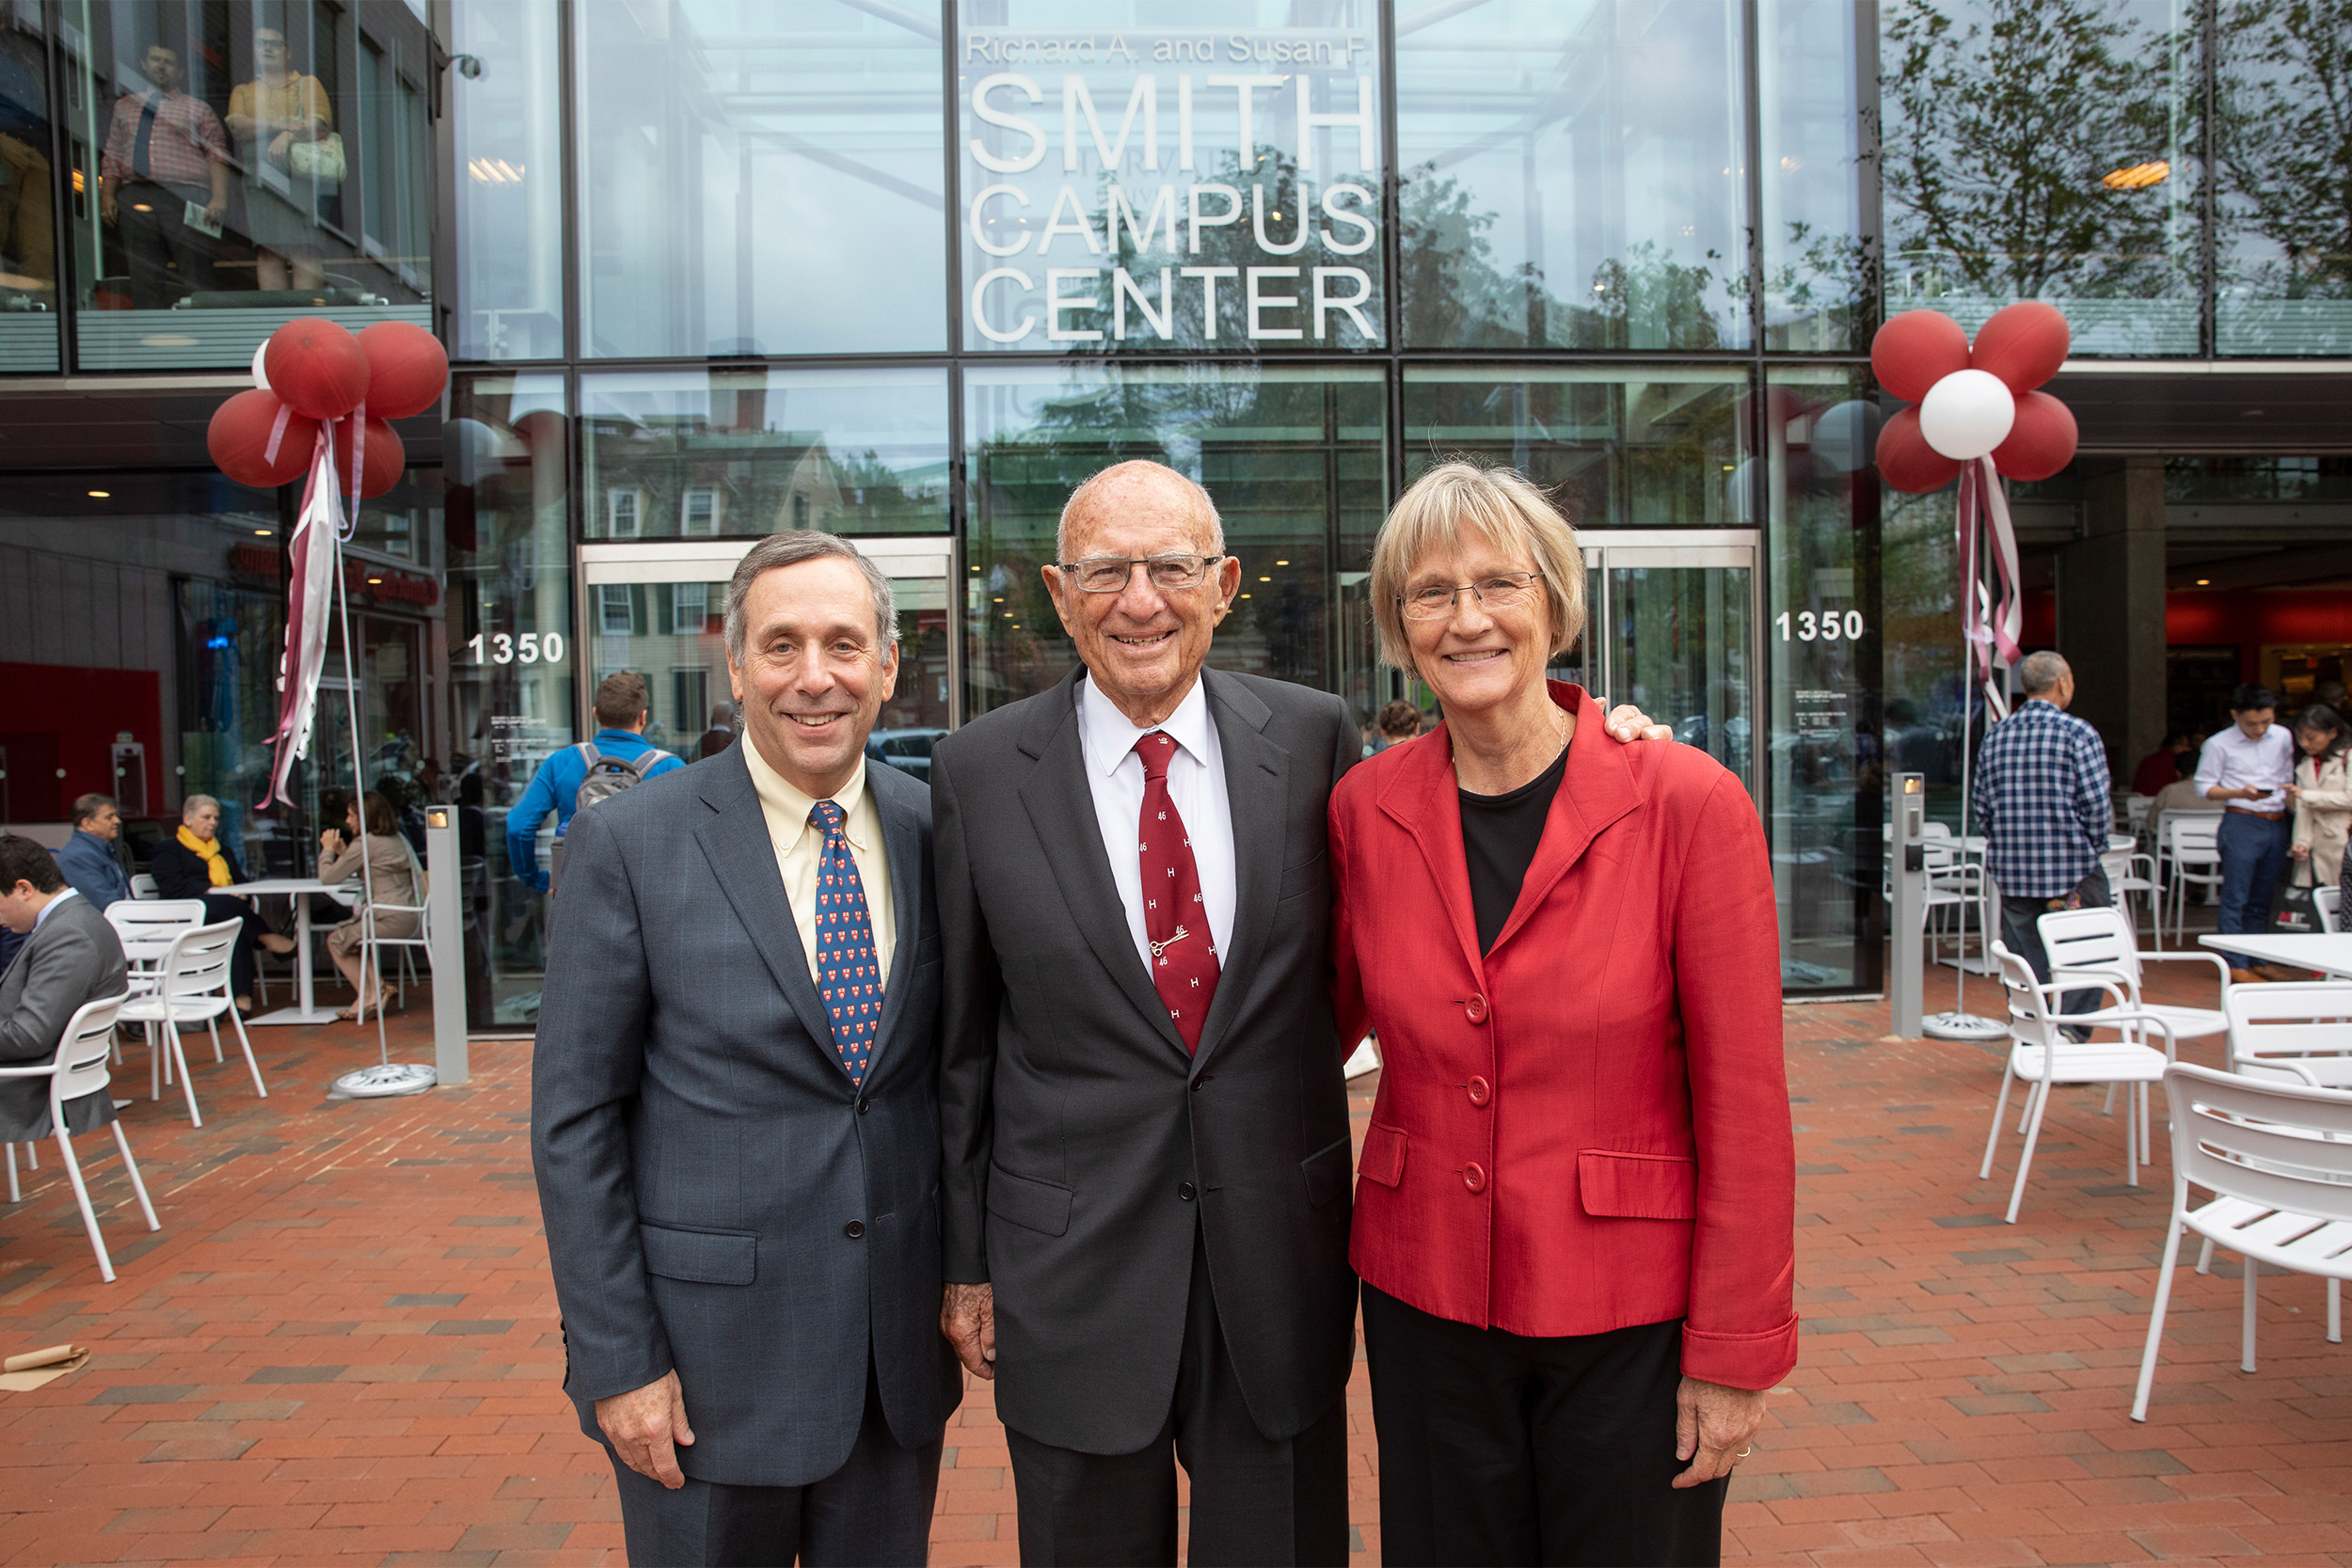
260 533
100 494
2205 582
2139 177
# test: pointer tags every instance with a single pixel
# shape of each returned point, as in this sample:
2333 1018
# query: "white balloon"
1845 435
1968 413
261 376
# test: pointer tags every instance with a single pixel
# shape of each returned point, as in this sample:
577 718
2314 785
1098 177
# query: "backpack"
609 776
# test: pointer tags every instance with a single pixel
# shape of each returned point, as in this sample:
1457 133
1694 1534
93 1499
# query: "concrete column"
2110 606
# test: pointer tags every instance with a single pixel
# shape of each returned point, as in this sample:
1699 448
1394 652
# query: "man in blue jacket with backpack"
618 757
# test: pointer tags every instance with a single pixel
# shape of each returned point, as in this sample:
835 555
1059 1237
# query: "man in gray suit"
71 957
734 1112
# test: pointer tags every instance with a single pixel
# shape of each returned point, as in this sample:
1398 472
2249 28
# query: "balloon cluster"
311 374
1973 403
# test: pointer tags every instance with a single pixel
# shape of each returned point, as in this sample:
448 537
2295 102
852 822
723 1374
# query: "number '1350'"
530 648
1827 627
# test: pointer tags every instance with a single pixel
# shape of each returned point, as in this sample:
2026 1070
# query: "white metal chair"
147 928
2042 1055
372 944
2326 901
2190 857
2132 886
143 886
2292 1033
2278 1159
2099 943
193 986
2135 815
79 1069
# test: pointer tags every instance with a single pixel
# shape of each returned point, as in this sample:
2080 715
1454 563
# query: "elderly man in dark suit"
734 1115
70 956
1146 1169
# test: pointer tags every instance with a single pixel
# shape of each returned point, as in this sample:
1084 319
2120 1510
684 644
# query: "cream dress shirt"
799 845
1195 783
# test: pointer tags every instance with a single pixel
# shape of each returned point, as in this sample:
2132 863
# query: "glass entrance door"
1670 625
659 608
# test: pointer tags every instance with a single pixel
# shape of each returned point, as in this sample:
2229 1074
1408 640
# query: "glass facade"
909 271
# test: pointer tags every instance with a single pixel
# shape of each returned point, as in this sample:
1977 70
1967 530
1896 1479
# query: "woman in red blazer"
1574 1217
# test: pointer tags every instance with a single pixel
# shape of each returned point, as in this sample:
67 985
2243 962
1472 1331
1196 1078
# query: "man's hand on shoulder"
967 1314
646 1427
1628 722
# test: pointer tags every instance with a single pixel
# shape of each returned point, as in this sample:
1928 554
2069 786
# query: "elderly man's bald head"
1139 484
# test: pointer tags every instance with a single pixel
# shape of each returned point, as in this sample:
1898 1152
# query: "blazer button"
1187 1191
864 1104
1479 1091
1476 1009
1475 1177
856 1229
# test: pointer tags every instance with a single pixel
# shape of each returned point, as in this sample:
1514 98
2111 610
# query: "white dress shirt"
63 894
800 846
1195 783
2230 761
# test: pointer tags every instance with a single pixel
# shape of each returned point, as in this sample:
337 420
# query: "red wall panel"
83 709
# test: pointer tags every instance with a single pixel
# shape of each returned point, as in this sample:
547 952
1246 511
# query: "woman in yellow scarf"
195 863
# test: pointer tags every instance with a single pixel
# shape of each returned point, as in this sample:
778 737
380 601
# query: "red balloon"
2023 344
1915 350
407 369
384 460
2040 442
317 367
238 439
1907 462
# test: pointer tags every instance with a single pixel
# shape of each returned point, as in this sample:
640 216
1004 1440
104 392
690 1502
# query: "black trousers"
1498 1448
2021 933
875 1512
160 237
251 928
1254 1499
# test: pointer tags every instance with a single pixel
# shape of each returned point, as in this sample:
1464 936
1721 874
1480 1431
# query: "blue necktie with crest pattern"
848 974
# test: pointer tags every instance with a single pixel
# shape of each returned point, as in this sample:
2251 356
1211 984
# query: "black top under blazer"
1084 1146
720 1198
180 873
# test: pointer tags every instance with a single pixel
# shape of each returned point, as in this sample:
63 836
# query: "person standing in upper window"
277 112
2247 769
164 153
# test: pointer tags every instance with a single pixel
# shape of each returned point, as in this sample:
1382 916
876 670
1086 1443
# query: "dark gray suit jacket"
703 1156
1074 1121
73 957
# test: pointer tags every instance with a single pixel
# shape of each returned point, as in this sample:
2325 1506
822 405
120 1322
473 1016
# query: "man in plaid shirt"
165 152
2042 801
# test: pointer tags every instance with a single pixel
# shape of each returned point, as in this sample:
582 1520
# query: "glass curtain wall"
707 455
1132 179
28 238
2282 134
2046 149
504 86
1818 218
239 163
512 646
1295 458
1573 175
761 178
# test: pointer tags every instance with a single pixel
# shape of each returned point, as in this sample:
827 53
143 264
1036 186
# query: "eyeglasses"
1110 574
1503 591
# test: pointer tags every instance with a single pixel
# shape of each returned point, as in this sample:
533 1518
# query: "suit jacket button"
1475 1177
1476 1009
1479 1091
864 1104
854 1230
1187 1191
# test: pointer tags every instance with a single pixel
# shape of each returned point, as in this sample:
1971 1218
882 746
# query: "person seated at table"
196 863
71 956
90 859
391 878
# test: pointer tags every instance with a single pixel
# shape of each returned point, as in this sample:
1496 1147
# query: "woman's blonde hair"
1501 503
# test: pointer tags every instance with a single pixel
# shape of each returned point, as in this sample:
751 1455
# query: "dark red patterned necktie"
1184 954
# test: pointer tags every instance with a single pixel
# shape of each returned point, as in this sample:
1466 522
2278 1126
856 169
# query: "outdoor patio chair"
78 1069
2278 1159
2041 1056
2292 1033
2190 857
2325 900
193 986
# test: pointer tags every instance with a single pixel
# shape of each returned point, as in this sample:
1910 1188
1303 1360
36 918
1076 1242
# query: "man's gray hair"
191 804
2038 674
790 550
1122 472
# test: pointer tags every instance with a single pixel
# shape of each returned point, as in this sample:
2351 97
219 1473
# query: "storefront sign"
252 562
1163 188
390 585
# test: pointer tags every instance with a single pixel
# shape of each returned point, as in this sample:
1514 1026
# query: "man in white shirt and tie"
2245 769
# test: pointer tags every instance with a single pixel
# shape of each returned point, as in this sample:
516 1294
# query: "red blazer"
1587 1128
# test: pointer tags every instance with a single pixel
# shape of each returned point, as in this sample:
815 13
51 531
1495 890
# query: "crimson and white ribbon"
310 610
1991 618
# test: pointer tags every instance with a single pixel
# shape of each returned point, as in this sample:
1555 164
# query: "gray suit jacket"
719 1199
1084 1147
74 957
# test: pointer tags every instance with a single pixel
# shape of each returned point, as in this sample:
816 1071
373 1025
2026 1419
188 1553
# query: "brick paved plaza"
343 1344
